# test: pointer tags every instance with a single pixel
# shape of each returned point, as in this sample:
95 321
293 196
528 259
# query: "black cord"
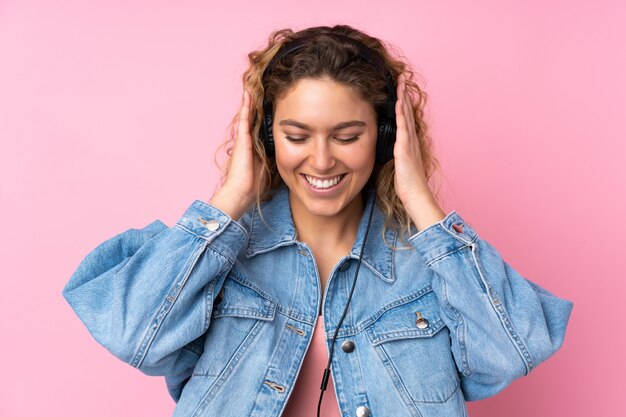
345 310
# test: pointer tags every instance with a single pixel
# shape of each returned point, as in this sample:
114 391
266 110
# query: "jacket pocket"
240 311
414 346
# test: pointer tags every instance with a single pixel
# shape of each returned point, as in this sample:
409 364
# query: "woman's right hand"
240 188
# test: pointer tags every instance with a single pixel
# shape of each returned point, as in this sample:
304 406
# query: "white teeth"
327 183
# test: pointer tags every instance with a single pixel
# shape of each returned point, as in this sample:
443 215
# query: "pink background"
110 112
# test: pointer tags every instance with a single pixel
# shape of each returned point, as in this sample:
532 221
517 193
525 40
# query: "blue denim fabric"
152 297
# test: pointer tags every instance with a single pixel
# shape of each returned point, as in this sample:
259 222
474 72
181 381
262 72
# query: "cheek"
360 158
287 158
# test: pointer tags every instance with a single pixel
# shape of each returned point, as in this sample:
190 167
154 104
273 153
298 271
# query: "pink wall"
110 112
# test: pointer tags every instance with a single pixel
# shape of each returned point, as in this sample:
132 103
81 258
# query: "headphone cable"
345 310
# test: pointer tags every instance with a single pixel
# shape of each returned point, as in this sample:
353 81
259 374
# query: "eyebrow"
342 125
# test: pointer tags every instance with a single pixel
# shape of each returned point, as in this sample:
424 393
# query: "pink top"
306 393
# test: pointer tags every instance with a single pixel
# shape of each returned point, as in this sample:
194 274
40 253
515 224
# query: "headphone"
386 118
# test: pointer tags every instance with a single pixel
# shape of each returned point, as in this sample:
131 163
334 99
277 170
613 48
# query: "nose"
322 158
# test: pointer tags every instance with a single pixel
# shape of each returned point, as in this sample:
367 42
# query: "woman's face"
325 141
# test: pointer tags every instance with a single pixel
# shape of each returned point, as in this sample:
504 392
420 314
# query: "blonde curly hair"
328 57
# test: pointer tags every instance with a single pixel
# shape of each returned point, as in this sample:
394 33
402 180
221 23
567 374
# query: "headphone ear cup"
386 141
267 137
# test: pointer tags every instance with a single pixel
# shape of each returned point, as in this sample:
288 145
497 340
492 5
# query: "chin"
328 207
324 209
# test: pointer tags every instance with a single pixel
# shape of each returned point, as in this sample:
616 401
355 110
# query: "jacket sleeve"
501 324
146 294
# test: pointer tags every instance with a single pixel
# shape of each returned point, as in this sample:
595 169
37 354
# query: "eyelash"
348 140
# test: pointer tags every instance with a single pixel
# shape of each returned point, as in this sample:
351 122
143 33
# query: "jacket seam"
191 232
166 306
209 240
373 318
446 254
496 304
505 320
460 332
397 382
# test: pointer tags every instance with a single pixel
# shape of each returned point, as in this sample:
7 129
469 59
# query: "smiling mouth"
323 183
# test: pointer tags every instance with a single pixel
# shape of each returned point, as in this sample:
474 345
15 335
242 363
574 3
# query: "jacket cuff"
208 222
443 237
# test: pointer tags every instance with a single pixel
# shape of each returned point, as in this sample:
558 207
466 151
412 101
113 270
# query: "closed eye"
342 140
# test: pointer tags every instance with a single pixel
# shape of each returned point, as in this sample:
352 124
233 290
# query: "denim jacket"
225 311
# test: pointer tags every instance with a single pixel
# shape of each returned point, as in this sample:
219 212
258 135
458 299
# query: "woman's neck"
328 231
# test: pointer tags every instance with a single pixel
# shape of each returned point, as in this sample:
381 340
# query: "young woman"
324 243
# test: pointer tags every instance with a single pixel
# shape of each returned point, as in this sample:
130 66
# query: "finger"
243 125
400 118
401 132
399 87
406 103
249 106
404 97
408 112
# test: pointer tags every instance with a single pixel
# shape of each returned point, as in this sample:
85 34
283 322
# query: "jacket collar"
280 231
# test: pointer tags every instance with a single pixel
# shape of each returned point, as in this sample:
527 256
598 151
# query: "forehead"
322 102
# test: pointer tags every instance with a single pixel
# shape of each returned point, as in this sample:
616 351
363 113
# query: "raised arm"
502 325
146 294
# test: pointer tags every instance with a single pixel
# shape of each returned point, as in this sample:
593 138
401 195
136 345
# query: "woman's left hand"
410 180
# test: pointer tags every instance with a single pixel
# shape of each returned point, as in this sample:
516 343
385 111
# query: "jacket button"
212 225
344 266
362 411
347 346
421 322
